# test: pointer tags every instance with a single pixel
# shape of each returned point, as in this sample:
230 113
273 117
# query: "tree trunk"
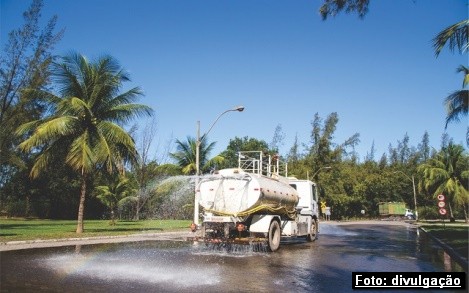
465 213
28 206
81 207
137 212
451 216
113 218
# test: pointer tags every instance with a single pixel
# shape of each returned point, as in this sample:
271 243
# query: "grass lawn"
456 236
25 229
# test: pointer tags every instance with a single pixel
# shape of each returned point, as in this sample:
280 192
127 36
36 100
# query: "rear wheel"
313 232
274 236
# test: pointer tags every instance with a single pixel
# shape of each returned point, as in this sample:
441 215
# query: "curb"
20 244
462 261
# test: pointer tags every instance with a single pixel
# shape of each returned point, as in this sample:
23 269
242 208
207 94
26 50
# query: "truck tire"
274 236
313 232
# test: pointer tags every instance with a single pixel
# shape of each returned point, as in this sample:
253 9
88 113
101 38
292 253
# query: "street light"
315 173
197 159
415 194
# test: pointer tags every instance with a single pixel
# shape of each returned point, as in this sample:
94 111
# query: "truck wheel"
313 233
274 236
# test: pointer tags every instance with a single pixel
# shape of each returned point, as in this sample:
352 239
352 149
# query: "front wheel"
274 236
313 232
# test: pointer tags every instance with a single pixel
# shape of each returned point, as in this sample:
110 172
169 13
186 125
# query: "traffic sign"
441 197
442 211
441 204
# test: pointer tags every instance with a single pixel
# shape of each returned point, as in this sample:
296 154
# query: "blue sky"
196 59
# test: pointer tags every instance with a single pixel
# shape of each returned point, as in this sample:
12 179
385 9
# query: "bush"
428 213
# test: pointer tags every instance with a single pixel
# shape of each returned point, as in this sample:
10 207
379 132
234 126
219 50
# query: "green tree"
85 121
323 151
115 194
447 174
277 140
244 144
23 64
185 155
424 147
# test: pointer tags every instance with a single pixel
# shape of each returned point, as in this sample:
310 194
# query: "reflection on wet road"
164 266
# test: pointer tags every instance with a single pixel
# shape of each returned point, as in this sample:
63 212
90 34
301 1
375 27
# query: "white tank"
235 192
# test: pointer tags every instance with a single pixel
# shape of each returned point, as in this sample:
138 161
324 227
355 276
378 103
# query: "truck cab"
308 196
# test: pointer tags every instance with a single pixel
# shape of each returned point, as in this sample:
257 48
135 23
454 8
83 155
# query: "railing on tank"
258 163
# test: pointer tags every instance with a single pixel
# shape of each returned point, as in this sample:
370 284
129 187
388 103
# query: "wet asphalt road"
325 265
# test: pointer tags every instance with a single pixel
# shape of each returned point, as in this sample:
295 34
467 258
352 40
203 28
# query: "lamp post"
197 158
415 194
315 173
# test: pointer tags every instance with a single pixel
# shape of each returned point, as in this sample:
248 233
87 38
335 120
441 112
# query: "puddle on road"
134 264
334 230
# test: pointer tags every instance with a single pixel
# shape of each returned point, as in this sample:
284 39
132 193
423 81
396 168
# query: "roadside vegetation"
455 236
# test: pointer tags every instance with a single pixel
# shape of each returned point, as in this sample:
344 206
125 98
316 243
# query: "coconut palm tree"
86 122
115 194
447 174
456 36
185 155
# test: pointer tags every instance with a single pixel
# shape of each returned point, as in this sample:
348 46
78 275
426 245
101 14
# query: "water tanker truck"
255 203
395 210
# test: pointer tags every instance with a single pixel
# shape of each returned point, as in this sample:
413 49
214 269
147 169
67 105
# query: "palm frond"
128 97
47 131
68 77
27 127
41 163
115 134
104 153
41 95
127 200
456 36
126 113
465 71
457 105
81 156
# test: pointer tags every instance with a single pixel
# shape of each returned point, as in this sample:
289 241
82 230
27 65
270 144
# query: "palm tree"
185 155
116 194
457 37
86 120
447 174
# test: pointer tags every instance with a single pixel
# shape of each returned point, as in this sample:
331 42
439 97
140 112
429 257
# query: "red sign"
441 197
441 204
442 212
